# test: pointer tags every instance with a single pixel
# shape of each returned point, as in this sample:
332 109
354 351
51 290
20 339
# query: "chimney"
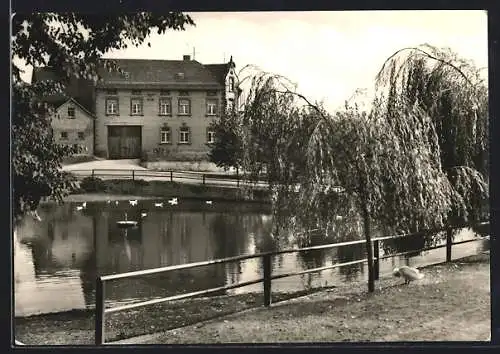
186 57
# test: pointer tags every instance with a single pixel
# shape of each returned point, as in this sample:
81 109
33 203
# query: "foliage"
453 94
226 151
391 162
72 43
92 185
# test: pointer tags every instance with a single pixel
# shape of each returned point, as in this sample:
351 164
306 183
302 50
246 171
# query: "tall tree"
73 44
453 93
226 151
380 163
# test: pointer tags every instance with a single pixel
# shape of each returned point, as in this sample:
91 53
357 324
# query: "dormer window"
179 76
126 75
231 84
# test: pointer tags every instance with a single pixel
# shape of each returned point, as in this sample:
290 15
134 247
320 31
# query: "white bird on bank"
408 273
173 201
144 214
209 202
133 202
84 205
79 208
159 205
117 202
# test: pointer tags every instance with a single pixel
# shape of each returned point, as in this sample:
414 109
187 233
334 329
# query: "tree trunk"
369 248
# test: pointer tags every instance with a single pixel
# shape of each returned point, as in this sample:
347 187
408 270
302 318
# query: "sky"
328 54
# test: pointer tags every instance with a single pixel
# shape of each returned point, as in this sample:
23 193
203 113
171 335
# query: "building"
74 125
161 109
157 109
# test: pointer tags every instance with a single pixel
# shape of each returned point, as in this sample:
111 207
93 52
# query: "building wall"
151 122
82 122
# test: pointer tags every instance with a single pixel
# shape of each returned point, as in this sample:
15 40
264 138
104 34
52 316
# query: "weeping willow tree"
454 94
410 162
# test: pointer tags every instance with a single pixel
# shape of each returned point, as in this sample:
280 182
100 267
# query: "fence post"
267 279
203 178
99 312
449 243
133 175
171 176
376 264
92 173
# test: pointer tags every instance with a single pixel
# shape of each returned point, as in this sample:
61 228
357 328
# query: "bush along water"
168 188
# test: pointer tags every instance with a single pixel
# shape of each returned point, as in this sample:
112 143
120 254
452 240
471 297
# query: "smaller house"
74 125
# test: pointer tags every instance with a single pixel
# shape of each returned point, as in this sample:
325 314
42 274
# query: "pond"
56 260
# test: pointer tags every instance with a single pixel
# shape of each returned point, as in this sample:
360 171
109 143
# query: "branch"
429 56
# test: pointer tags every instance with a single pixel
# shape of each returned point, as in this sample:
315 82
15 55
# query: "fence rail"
267 278
186 176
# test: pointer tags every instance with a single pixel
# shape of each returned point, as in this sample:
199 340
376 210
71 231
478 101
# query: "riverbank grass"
452 302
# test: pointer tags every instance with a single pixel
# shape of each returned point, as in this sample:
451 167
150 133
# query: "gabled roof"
219 71
173 73
71 99
81 90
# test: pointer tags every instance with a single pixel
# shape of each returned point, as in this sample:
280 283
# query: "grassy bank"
452 303
77 327
165 189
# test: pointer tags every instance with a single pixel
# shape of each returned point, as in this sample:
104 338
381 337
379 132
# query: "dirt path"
451 303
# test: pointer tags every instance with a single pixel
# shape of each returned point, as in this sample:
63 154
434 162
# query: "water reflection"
59 258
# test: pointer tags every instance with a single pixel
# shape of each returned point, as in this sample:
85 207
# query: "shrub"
92 184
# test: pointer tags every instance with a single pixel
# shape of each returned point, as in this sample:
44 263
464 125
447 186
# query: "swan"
144 214
84 205
79 208
173 201
159 205
133 202
117 202
408 273
209 202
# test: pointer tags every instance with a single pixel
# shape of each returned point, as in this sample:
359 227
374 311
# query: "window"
212 107
112 91
165 107
210 136
71 112
112 106
165 135
231 84
127 75
81 135
230 104
164 93
184 106
64 135
212 93
136 92
136 106
184 135
183 93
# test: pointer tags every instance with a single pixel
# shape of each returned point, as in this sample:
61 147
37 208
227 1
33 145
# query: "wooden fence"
266 279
